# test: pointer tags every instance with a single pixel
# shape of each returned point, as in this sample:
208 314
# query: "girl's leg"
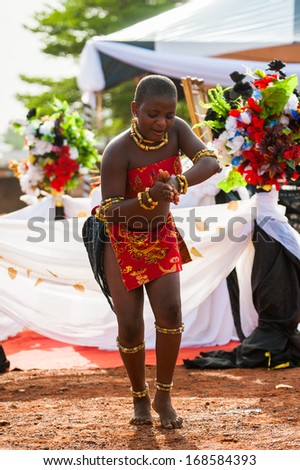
130 340
164 297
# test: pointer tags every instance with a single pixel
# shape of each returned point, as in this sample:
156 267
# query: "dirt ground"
89 410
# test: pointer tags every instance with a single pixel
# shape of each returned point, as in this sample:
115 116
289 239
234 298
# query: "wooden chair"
195 92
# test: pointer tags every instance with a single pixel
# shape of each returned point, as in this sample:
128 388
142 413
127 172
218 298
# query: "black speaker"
4 363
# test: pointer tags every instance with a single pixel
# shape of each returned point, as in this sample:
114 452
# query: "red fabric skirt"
145 256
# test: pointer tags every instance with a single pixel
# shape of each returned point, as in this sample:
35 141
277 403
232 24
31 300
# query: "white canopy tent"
207 39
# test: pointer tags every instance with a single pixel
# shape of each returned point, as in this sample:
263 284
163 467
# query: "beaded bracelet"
183 184
149 198
153 204
203 153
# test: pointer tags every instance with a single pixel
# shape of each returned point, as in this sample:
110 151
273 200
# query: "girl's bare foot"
142 411
168 416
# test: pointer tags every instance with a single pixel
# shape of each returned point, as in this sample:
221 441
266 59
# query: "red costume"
144 256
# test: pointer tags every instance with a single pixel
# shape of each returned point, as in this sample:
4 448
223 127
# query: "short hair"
154 85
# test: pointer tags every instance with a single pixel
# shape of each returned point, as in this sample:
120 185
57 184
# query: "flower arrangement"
60 149
256 127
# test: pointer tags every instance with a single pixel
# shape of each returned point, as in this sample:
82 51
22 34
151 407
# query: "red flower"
295 176
250 176
258 122
240 124
293 153
234 113
253 105
258 136
61 171
66 167
49 169
264 82
58 183
65 151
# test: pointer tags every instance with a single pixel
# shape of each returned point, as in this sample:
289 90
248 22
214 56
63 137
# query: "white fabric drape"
188 40
46 283
212 70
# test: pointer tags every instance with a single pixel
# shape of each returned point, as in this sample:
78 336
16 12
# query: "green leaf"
275 97
260 73
233 180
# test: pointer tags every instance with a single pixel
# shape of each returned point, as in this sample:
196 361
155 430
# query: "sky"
20 53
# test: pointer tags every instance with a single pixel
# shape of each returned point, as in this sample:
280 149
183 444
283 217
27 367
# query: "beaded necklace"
143 143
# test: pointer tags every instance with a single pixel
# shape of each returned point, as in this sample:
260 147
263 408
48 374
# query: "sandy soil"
222 409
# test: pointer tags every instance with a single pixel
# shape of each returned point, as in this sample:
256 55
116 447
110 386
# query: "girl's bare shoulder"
115 151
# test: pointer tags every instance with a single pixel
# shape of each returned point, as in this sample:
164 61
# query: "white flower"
220 146
230 124
27 187
245 117
30 180
284 120
30 140
35 173
235 145
292 104
74 153
41 147
32 127
47 127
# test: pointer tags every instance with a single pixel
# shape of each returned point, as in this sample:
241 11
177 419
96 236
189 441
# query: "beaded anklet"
164 387
140 394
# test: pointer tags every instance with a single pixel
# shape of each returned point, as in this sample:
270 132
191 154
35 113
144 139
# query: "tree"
12 138
66 29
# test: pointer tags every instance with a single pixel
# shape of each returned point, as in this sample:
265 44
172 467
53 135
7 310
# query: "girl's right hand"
165 188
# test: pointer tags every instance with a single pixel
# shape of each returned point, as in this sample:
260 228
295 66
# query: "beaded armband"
169 331
104 205
203 153
133 350
183 184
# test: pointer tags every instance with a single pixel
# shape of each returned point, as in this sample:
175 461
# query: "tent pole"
195 93
98 110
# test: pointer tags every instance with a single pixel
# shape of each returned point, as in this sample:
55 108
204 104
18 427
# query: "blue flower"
257 95
236 161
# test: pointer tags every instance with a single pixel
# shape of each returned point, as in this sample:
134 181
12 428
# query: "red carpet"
29 350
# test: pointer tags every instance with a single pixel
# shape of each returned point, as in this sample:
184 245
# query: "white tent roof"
182 42
214 27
